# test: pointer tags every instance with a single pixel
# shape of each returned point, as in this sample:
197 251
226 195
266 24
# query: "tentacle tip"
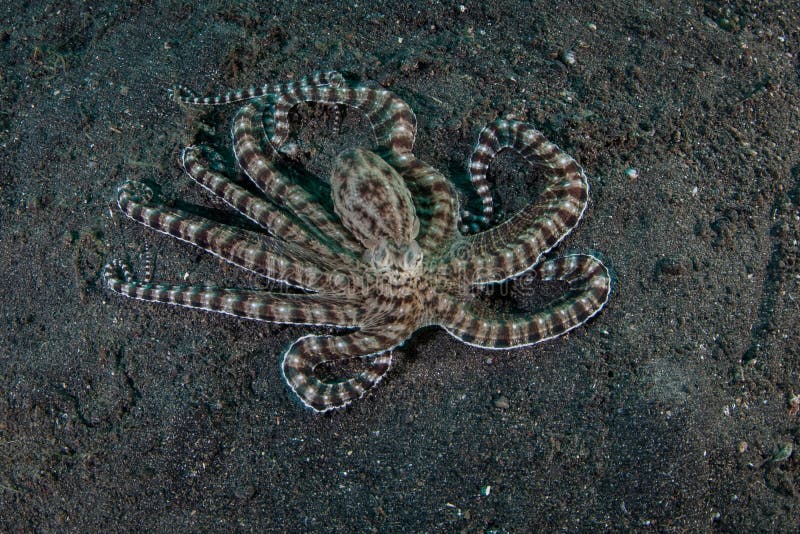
179 93
134 190
335 78
115 271
187 153
174 93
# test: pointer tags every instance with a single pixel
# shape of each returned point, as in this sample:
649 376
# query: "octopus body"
392 255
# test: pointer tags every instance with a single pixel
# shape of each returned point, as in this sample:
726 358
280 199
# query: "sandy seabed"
675 409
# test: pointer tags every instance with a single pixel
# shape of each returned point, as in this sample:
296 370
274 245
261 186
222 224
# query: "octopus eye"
412 257
380 255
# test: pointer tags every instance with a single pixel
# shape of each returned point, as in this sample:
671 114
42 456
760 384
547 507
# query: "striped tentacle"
393 122
313 309
588 291
184 95
435 201
388 320
301 361
263 255
261 211
489 144
519 242
394 126
258 163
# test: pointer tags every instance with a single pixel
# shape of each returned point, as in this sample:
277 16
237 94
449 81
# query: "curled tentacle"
589 286
518 243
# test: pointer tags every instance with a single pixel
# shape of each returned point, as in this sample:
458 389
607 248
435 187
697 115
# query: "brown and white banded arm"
263 255
259 210
257 159
309 309
300 365
589 286
518 243
184 95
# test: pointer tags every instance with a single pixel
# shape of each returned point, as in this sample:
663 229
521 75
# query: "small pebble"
245 492
501 403
567 57
783 453
673 266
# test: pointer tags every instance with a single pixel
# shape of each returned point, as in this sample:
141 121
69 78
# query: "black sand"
671 411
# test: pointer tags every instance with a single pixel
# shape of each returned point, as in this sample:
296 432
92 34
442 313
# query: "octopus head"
372 200
388 258
397 268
